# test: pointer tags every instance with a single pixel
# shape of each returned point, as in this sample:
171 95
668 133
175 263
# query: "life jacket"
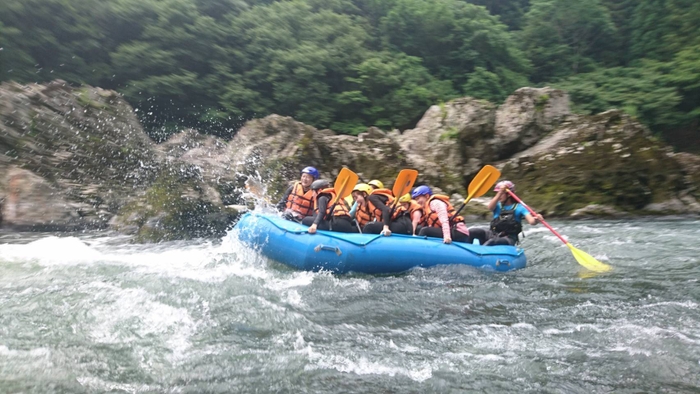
399 210
430 217
340 208
300 201
363 214
505 223
415 207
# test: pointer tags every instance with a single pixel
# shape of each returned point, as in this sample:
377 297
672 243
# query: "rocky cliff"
565 164
73 158
78 158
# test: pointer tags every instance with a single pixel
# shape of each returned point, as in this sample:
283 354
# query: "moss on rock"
172 208
607 160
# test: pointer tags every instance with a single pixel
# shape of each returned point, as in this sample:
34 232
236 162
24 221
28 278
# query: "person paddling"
439 218
507 218
334 217
297 201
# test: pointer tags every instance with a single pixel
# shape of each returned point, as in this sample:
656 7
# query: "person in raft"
413 210
507 218
376 184
388 217
439 220
360 210
335 217
297 202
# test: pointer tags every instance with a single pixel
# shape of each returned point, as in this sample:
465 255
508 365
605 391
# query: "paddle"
404 182
344 183
402 185
582 257
481 183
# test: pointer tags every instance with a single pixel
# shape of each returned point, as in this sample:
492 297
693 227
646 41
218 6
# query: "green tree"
60 36
455 38
564 38
15 63
510 12
166 72
643 91
295 62
393 90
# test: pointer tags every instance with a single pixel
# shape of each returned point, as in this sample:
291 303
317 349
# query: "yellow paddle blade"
344 184
482 182
588 261
404 182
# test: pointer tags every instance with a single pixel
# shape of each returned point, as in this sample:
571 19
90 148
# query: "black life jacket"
505 224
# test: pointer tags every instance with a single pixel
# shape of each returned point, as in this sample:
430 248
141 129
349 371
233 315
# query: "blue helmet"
311 171
421 190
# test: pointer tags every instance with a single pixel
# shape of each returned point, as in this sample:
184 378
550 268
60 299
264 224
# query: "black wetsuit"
400 225
341 224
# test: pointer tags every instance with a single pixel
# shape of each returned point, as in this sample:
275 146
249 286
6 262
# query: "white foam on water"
105 386
631 351
51 251
685 304
363 366
37 353
26 364
127 315
637 332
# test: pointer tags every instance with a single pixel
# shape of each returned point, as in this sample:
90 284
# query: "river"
93 312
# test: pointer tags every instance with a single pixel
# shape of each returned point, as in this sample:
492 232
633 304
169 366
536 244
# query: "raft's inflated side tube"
289 243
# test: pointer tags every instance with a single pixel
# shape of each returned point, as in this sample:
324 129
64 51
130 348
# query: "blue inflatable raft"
290 243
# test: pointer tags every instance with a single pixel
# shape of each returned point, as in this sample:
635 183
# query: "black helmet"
320 184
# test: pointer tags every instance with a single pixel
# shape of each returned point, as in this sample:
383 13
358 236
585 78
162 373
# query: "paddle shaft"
469 197
411 176
338 197
533 213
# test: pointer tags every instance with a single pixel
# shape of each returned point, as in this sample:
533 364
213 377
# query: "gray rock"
76 157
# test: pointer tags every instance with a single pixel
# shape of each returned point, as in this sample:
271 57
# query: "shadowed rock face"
78 158
74 158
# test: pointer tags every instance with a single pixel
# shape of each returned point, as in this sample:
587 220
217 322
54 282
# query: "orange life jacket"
300 201
340 209
415 207
363 214
430 217
398 210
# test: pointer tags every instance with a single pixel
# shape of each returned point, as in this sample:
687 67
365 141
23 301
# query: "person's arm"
353 210
441 209
531 220
283 202
322 207
416 216
380 202
494 201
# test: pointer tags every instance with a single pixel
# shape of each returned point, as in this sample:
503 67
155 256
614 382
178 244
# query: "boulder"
77 157
608 160
276 148
454 140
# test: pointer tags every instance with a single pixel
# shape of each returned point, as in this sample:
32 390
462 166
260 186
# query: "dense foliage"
349 64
